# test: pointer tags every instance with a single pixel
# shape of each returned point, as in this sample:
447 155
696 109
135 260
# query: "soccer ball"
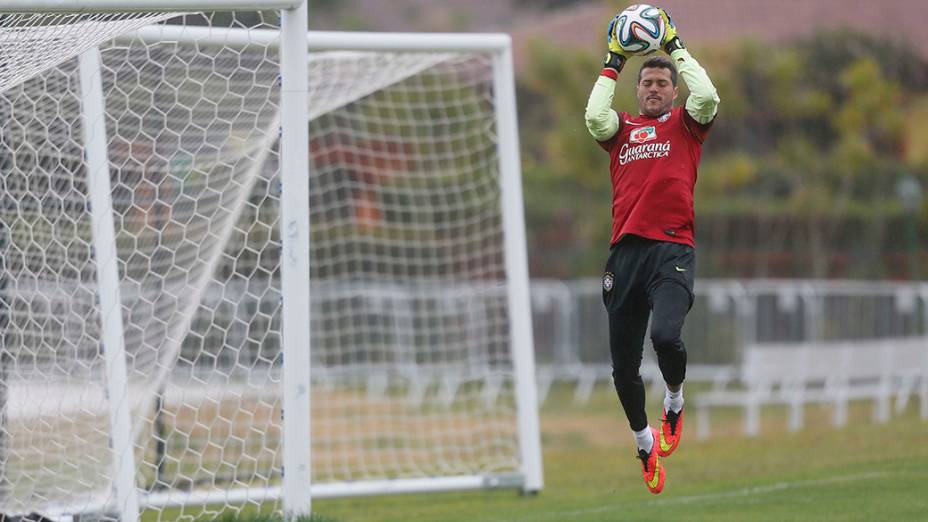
640 29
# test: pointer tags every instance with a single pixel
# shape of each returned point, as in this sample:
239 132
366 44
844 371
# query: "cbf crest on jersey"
608 281
643 134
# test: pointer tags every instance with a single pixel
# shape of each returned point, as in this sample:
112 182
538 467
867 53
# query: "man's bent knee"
666 336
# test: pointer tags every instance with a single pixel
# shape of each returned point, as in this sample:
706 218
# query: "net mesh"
33 42
410 337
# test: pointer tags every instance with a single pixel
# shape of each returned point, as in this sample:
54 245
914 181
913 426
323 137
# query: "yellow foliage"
915 135
727 172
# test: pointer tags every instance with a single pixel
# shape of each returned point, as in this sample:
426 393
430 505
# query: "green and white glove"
616 57
671 41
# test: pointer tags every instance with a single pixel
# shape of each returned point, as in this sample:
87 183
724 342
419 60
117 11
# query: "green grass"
862 472
232 517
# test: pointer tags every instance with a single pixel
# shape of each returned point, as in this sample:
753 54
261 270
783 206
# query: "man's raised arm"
601 120
703 101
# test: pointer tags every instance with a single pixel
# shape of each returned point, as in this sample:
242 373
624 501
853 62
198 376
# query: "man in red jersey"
652 160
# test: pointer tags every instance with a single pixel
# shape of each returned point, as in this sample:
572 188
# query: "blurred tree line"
815 167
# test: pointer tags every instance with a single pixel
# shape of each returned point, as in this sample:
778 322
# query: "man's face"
656 92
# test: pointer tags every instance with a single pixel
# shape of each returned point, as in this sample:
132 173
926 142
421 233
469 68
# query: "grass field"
862 472
865 471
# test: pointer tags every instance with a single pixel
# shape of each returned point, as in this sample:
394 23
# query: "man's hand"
616 57
671 41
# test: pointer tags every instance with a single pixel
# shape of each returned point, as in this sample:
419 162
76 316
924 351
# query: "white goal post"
244 263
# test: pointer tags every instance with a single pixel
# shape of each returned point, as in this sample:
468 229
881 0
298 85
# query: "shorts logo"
608 281
643 135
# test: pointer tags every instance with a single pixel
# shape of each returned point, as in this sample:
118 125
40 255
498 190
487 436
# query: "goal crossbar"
327 40
137 6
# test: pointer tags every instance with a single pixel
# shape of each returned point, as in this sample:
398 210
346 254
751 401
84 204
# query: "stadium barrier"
729 321
831 373
570 332
571 335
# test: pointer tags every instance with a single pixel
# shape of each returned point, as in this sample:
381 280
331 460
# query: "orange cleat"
651 467
671 429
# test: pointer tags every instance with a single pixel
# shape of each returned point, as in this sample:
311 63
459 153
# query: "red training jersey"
653 165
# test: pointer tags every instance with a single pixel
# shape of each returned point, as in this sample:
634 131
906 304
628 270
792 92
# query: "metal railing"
571 333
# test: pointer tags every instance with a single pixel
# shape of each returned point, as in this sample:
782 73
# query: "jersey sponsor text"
629 153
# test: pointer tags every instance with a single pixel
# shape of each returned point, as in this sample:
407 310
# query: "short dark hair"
659 62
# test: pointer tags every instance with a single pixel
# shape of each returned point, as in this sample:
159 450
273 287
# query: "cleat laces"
643 457
671 417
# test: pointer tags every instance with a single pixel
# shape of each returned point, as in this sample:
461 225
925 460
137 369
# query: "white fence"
824 372
570 330
571 334
728 318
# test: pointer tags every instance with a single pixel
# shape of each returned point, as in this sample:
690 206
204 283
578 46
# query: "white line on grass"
770 488
743 492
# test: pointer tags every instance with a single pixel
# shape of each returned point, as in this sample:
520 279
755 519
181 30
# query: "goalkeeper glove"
616 57
671 41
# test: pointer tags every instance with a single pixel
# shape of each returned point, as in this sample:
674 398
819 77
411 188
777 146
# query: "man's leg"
626 342
671 302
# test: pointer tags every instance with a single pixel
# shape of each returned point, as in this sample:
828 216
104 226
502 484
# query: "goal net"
412 332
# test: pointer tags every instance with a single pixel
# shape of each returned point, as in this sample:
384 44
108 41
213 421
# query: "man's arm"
703 101
601 120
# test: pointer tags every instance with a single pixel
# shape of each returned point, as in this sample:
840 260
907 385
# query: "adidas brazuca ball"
640 29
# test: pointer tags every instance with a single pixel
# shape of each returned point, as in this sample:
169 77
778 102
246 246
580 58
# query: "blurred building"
717 21
578 23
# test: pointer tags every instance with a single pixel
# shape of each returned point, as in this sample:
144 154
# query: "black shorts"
636 266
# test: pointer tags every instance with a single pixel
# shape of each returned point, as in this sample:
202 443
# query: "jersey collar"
661 119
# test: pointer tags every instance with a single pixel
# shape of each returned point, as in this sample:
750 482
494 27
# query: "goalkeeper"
652 161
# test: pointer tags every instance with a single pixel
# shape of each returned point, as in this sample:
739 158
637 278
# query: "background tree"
801 176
